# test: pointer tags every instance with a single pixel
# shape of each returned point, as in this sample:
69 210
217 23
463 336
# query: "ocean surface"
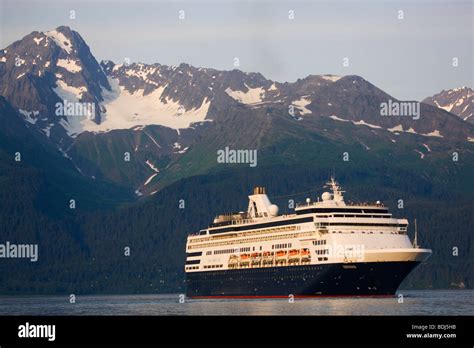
435 302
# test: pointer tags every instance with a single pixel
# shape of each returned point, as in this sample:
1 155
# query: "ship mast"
415 240
336 190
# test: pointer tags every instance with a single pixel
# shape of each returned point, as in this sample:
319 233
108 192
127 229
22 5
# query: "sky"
409 58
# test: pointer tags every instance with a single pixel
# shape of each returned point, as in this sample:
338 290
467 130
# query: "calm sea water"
414 303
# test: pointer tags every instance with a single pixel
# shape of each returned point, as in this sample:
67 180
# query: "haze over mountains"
151 130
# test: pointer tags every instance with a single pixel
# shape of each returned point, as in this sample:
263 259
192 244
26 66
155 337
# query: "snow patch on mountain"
422 155
142 72
395 129
152 139
125 110
332 78
273 87
252 96
434 133
357 123
47 129
152 166
363 123
399 128
334 117
149 179
60 39
30 116
69 64
38 40
301 105
69 93
19 62
117 67
448 108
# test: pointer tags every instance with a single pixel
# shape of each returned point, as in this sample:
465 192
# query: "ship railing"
249 221
350 204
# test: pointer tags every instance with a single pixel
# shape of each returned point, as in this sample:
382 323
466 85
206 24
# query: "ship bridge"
333 202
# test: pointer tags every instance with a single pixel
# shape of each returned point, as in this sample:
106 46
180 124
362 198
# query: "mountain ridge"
159 113
301 131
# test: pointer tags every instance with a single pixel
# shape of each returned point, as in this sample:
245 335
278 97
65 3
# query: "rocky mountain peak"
459 101
46 68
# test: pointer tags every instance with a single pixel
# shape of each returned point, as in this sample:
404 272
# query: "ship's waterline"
326 248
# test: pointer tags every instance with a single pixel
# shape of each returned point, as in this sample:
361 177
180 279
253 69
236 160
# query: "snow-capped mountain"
186 94
459 101
47 68
159 116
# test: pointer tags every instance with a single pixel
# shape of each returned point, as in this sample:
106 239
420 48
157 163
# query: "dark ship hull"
341 279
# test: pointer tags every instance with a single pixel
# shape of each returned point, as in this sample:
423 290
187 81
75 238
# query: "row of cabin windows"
370 232
365 224
231 251
361 216
281 246
322 258
225 251
320 242
213 266
322 252
192 267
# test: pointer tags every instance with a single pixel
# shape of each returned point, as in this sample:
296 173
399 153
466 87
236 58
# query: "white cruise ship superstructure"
326 248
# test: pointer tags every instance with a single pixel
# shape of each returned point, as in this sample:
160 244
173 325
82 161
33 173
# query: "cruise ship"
326 248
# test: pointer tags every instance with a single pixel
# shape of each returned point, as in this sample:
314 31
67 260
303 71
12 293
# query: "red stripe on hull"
295 296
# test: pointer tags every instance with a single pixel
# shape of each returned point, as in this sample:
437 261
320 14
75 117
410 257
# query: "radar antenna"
335 188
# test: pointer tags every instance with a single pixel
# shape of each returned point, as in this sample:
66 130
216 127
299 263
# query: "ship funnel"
260 205
259 190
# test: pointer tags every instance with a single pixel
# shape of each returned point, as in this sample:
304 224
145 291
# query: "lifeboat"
268 258
294 256
280 259
268 255
294 252
233 261
305 255
256 257
245 260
